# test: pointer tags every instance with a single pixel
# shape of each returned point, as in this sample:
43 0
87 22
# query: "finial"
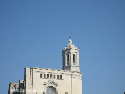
69 41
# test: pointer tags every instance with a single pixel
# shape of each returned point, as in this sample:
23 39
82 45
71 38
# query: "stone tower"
71 57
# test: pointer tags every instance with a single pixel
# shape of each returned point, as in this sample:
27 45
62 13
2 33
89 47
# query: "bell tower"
70 56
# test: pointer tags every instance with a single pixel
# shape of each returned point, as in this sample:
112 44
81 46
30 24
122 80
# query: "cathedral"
67 80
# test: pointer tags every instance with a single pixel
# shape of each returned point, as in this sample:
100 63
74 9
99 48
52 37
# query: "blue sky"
33 33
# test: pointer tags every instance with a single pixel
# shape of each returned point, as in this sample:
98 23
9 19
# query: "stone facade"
67 80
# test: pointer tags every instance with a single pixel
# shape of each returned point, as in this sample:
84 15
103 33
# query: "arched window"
68 59
74 59
47 75
41 75
61 77
51 90
57 76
